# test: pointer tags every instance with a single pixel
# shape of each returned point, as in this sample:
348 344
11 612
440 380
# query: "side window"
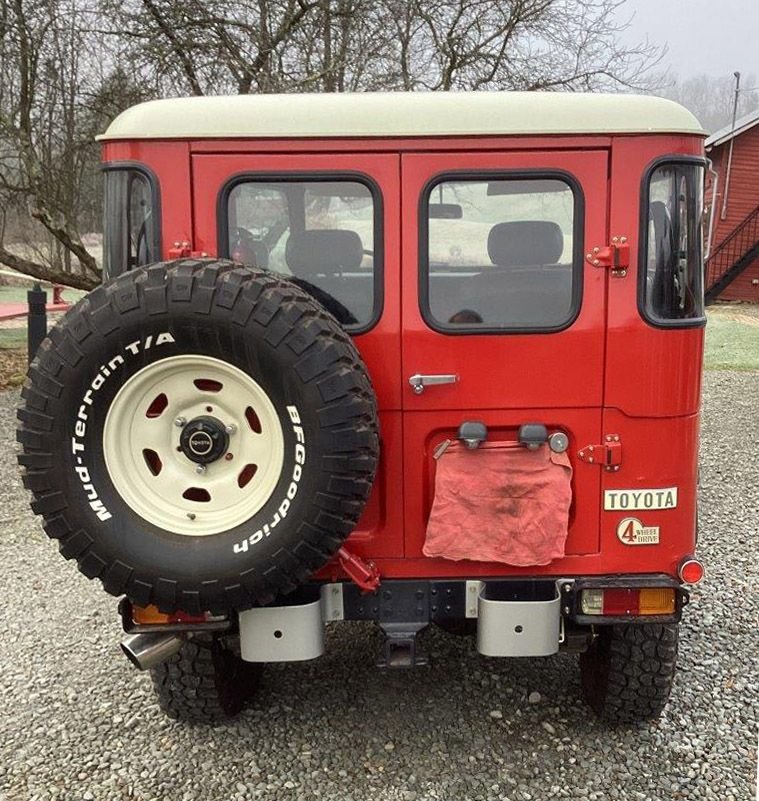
500 254
130 225
323 234
672 275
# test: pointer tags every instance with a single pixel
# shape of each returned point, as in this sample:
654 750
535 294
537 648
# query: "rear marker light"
622 602
149 615
691 571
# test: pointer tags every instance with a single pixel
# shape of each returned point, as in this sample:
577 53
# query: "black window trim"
155 200
578 233
222 222
656 322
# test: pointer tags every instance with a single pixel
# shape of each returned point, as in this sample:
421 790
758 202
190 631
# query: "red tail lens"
691 571
621 602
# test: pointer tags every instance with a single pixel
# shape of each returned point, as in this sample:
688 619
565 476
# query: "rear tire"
628 671
204 682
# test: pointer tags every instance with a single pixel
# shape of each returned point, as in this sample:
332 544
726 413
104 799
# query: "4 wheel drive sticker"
292 489
636 499
631 531
80 426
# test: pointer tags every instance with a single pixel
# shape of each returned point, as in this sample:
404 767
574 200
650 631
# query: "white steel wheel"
193 445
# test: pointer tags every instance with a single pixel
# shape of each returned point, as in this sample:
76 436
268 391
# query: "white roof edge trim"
729 132
400 114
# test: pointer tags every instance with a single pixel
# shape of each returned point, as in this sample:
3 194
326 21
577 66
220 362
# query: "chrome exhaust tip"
146 650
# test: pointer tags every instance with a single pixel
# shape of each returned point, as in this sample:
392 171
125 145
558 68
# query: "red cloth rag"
500 503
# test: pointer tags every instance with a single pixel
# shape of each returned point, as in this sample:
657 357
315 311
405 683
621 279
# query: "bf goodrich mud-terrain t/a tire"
204 682
628 671
198 436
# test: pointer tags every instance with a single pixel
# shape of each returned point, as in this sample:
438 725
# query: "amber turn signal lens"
656 601
145 615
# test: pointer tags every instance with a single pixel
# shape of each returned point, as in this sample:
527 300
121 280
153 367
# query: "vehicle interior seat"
330 260
525 285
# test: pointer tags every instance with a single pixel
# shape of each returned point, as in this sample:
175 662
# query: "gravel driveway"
77 722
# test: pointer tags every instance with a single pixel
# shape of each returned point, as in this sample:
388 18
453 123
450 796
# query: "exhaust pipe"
148 649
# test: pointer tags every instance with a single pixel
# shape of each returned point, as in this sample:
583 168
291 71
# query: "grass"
17 294
11 338
731 344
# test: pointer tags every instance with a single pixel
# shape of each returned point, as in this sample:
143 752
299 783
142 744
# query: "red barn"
732 196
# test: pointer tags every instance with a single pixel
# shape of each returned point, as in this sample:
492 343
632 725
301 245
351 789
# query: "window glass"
129 230
673 276
321 234
500 254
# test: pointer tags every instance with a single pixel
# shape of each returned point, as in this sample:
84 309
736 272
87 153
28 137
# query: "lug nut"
180 422
230 428
200 469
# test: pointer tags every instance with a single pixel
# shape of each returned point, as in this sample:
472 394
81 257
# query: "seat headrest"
327 250
525 242
251 252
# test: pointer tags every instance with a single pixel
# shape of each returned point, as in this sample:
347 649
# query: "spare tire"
198 435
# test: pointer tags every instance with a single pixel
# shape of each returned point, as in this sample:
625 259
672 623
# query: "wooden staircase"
734 254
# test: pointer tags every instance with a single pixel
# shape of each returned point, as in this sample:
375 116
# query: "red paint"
363 574
743 197
608 373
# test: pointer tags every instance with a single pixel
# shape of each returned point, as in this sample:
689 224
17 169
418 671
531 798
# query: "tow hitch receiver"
401 647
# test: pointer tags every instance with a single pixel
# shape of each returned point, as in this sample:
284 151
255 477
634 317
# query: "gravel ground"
77 722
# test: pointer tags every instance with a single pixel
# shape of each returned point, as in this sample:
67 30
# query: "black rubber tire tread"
204 682
244 297
628 671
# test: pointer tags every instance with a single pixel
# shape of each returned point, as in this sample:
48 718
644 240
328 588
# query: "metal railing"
733 255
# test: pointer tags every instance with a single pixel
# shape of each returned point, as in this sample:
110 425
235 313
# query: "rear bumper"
512 617
444 601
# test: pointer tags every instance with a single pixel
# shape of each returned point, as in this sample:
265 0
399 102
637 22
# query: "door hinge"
183 250
614 257
608 455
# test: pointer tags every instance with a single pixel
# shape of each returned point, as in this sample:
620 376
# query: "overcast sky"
715 37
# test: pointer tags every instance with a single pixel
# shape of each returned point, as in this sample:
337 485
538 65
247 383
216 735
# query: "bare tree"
711 97
48 157
67 67
208 46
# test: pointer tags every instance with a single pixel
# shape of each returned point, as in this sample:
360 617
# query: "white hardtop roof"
400 114
729 131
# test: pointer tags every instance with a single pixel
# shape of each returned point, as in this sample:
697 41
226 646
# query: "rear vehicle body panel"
609 372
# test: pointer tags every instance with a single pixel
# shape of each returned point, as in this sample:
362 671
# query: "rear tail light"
623 602
149 615
691 571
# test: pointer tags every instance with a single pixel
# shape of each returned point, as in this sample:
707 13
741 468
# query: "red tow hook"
364 574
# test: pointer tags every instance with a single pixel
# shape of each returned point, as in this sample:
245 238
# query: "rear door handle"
419 382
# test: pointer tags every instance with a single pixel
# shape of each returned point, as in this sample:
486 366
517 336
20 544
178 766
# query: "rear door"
266 204
498 300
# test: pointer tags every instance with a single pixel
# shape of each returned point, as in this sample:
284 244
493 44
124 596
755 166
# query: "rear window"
500 253
672 291
323 234
130 225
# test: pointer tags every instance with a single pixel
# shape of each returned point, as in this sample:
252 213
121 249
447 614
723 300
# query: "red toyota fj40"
409 358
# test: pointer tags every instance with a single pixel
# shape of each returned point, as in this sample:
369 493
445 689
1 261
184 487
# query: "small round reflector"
691 571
